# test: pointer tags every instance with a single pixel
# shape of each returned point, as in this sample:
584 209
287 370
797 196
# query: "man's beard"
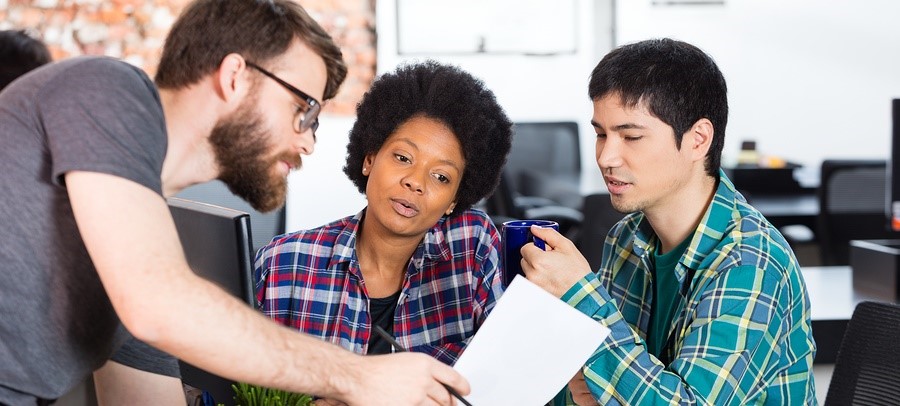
242 145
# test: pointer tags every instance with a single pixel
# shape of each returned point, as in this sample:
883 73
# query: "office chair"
867 369
599 218
545 161
852 206
542 177
505 205
263 226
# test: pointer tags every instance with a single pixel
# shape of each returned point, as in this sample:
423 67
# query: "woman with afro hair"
430 140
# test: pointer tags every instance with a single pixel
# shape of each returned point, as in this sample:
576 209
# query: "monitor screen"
216 243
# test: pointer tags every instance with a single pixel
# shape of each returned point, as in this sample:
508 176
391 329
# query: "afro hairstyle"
444 93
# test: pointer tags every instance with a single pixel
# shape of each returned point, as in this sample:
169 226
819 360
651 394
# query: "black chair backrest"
541 178
545 147
852 206
544 161
867 369
502 202
264 226
599 218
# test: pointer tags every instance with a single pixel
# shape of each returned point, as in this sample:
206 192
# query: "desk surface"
785 210
831 293
786 205
832 300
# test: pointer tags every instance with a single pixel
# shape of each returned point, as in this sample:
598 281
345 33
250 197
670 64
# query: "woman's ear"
368 161
450 209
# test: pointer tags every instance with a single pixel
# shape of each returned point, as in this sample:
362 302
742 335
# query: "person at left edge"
19 54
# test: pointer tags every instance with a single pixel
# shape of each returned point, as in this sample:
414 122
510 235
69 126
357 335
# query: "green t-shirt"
666 300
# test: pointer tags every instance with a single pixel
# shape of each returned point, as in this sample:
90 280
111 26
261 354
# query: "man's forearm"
222 335
131 238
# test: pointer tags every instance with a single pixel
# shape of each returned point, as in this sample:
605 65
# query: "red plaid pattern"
310 280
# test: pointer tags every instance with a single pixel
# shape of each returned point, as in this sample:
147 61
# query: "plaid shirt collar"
433 248
717 219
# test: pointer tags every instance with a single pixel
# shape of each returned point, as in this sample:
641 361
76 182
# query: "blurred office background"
808 80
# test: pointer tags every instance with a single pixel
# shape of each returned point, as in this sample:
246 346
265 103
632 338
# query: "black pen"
399 348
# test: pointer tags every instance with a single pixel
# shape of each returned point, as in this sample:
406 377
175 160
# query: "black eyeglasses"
305 119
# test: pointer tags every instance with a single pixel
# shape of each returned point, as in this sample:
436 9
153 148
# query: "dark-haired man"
90 149
704 297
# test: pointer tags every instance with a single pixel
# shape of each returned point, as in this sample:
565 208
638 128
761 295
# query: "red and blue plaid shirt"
310 280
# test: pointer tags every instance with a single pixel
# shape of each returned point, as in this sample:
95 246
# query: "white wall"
807 79
320 192
529 87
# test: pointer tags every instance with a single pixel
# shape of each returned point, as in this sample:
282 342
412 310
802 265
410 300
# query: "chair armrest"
527 202
560 214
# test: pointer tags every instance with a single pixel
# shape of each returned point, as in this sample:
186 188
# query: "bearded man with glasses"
91 268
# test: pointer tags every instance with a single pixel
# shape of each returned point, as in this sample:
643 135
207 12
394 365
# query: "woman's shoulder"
469 218
326 235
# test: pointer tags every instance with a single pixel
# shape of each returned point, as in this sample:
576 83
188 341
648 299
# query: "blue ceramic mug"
515 235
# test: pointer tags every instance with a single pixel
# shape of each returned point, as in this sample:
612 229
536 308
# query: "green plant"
252 395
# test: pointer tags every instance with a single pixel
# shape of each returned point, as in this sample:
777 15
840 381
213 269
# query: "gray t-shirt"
86 114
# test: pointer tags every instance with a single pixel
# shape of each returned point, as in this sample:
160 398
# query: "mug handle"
538 242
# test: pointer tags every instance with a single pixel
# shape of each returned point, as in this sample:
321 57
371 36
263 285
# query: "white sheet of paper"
529 347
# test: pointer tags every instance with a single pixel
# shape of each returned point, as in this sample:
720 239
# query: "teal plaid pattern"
743 335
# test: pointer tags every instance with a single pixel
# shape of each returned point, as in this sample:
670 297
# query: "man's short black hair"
444 93
678 83
20 53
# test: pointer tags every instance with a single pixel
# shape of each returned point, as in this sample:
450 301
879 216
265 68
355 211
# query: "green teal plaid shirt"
743 335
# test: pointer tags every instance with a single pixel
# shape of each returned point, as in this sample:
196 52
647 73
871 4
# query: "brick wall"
135 30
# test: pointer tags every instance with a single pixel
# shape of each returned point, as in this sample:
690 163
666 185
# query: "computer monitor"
263 226
216 242
893 200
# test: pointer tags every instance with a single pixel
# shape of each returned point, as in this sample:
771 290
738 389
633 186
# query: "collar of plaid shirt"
434 246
